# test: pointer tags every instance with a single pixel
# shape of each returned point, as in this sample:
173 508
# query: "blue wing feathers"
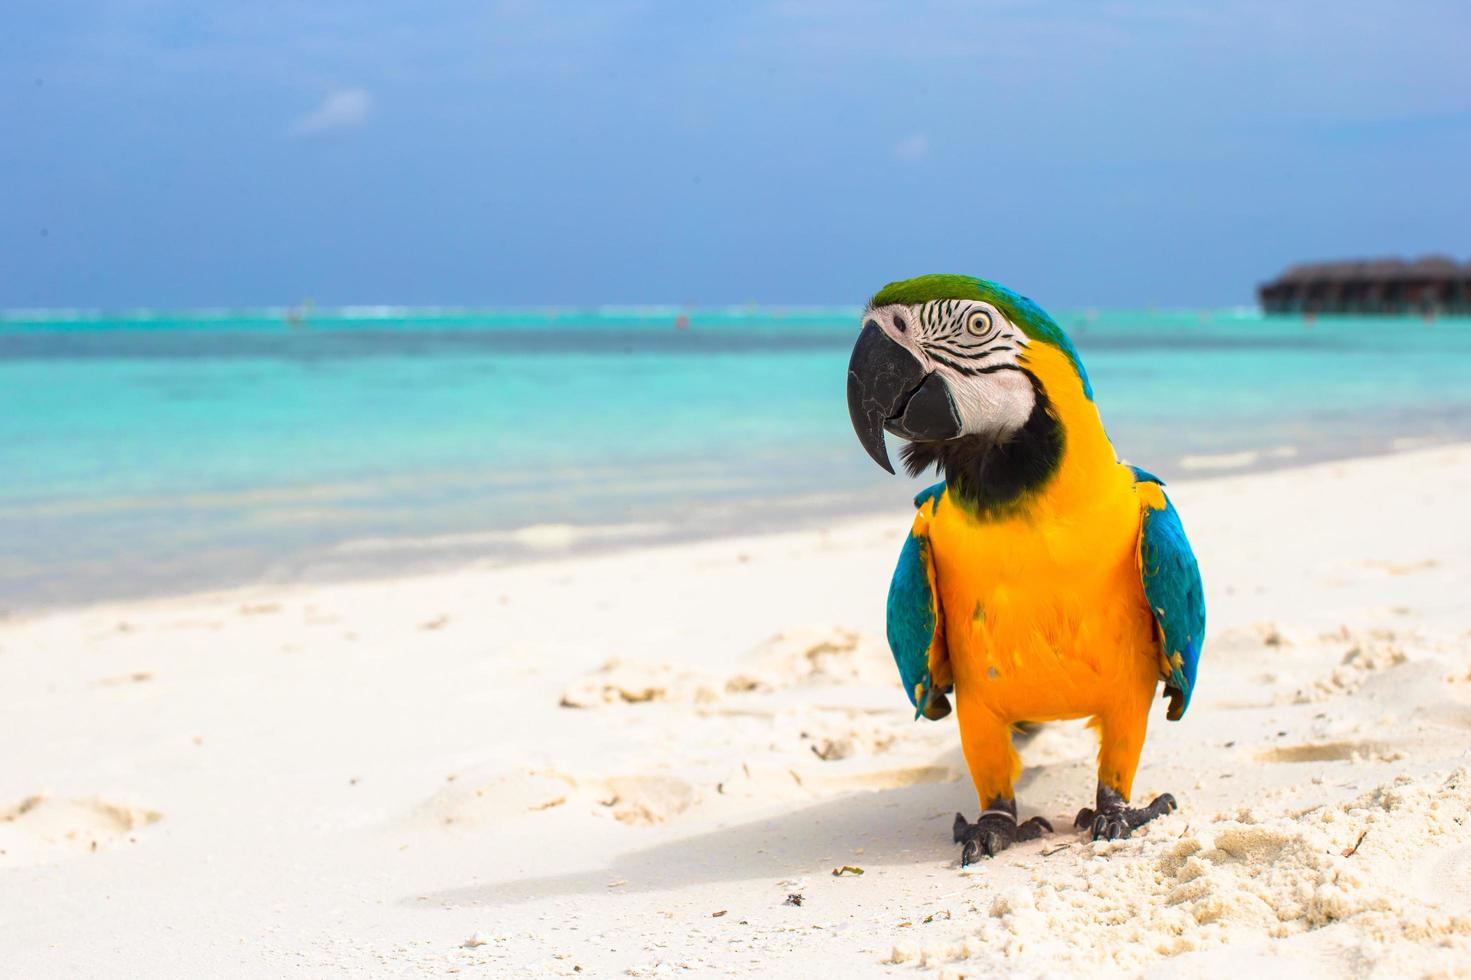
912 618
913 611
1141 475
1173 589
931 496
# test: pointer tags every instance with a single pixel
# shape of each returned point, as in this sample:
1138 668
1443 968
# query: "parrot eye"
978 323
900 325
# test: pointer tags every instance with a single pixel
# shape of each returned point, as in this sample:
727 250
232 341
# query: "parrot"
1043 579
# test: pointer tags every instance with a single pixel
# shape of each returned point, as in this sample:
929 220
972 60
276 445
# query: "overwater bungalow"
1427 287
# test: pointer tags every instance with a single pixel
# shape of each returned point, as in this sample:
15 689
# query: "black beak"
889 389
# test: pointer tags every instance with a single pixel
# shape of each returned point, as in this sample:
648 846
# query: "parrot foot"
994 831
1112 820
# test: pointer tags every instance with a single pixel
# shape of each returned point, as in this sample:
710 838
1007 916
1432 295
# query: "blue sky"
162 153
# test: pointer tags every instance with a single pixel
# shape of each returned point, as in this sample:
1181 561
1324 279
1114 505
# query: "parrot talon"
994 831
1112 820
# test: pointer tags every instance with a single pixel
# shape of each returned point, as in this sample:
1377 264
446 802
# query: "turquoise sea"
146 452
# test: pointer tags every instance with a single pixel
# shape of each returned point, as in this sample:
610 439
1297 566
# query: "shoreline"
540 543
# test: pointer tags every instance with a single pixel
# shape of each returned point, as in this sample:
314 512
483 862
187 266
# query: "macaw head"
955 364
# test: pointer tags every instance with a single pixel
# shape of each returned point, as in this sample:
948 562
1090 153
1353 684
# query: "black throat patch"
991 477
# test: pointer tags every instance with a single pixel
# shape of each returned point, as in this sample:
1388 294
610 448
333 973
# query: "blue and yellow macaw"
1043 579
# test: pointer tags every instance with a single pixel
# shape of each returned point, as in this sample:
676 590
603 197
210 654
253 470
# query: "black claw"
1112 820
1033 829
1108 826
970 853
1163 803
959 829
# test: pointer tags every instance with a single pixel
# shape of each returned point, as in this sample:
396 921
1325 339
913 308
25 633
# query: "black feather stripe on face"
943 329
993 476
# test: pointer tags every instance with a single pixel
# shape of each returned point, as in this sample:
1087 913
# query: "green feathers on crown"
1032 319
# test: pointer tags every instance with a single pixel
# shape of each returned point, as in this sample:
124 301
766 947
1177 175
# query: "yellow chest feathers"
1044 612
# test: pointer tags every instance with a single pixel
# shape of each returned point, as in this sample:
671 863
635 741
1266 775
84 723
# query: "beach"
454 468
694 758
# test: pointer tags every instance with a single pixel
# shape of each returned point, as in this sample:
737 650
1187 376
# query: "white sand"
627 764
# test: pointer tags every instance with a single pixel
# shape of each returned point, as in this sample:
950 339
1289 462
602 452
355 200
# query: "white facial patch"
976 350
993 404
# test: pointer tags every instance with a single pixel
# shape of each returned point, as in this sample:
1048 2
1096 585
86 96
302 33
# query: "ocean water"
149 452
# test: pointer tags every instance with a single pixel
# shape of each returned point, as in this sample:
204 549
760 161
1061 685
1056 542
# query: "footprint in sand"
39 829
772 783
828 655
120 680
640 800
1400 568
1330 752
646 800
1367 654
896 778
629 682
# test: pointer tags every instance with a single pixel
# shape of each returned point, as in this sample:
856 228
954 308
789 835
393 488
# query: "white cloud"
912 149
343 109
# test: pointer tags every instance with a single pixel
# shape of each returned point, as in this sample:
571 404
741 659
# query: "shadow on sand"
901 826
